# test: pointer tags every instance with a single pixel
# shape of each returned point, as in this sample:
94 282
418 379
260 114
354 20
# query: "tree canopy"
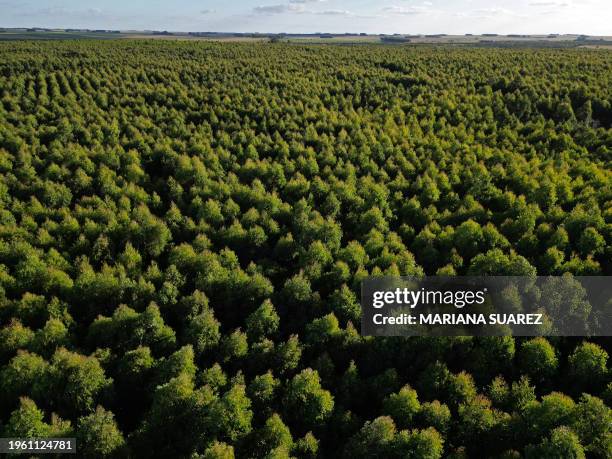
184 227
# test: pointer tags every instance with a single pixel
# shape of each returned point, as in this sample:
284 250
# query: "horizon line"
115 30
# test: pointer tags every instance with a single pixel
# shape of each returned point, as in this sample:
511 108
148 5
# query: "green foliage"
555 409
374 439
135 366
262 391
380 439
477 421
322 330
127 329
436 415
218 450
214 377
425 444
75 381
232 414
98 436
262 322
593 424
179 363
588 365
307 447
178 415
27 422
537 359
202 332
26 373
563 444
13 337
234 346
274 437
306 400
184 227
402 406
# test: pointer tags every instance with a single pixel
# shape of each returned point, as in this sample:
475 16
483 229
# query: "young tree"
13 337
231 415
469 238
76 382
307 446
402 406
562 444
588 366
218 450
135 367
262 322
263 391
323 330
52 336
306 402
27 421
477 421
435 414
274 438
537 359
98 436
421 444
25 374
540 418
181 362
234 346
593 425
202 331
374 440
288 354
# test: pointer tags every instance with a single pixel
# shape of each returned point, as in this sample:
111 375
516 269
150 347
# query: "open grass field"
477 40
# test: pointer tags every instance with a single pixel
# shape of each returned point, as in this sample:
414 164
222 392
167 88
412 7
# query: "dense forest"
184 228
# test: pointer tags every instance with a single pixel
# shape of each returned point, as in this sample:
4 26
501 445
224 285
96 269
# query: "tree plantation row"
184 227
